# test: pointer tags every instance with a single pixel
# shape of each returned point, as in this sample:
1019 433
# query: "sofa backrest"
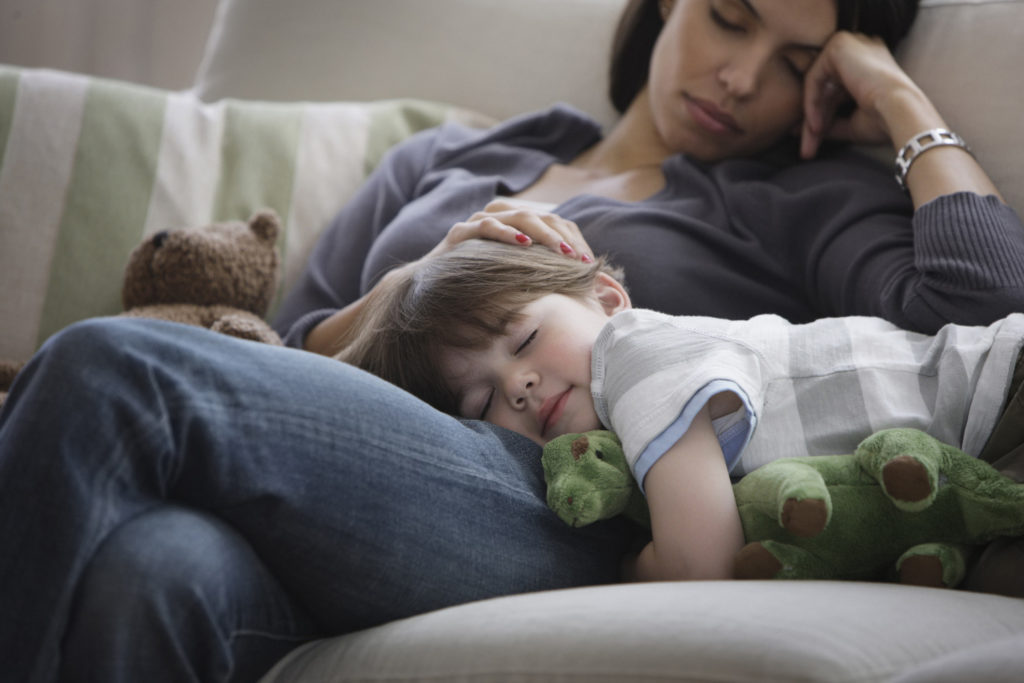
504 57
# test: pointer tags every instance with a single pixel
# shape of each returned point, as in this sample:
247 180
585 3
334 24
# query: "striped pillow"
89 166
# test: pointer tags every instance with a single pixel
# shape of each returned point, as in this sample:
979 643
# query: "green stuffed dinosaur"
904 506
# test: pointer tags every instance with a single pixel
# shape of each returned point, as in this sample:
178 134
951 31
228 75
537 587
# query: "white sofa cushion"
685 631
503 58
88 166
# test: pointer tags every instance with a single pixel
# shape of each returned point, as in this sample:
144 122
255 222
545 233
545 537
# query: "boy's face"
535 379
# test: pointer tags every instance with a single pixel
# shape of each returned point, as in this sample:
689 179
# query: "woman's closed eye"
724 23
799 62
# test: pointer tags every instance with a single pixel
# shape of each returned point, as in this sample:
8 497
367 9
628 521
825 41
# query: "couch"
293 104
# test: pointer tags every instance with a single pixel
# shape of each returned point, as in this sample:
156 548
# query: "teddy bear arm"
245 326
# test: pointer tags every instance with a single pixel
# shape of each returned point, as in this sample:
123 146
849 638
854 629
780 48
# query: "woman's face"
726 76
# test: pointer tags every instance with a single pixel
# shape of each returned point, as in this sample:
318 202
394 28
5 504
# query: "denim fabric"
363 503
177 595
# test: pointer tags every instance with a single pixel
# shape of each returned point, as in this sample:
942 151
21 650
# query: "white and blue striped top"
812 389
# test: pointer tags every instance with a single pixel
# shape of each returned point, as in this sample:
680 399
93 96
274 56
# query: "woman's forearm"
941 170
327 337
333 334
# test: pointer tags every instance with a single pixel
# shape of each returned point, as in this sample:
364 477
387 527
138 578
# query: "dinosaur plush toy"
902 506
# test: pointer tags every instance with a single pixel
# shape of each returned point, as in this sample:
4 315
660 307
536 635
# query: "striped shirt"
812 389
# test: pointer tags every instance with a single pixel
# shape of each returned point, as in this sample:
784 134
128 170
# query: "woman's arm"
889 107
695 526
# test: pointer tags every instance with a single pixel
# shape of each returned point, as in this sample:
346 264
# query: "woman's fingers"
485 227
506 222
851 68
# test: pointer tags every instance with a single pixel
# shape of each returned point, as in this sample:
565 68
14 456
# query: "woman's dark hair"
641 22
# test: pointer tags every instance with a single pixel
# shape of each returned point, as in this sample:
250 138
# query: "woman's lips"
551 410
710 117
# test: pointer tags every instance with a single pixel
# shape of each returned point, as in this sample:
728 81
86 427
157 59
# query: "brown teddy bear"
221 276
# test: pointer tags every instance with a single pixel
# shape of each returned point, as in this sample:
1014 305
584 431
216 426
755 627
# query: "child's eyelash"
490 396
527 342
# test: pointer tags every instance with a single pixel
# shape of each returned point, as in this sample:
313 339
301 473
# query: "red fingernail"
586 259
522 239
566 249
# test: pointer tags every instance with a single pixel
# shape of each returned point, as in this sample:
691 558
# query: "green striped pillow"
89 166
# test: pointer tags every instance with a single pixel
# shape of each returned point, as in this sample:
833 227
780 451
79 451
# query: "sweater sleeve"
863 250
970 261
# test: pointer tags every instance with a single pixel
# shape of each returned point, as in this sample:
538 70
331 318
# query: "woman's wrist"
909 115
905 112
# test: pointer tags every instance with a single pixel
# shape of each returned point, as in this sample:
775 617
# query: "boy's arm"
695 526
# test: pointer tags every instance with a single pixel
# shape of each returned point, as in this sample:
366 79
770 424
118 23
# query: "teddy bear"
904 506
221 276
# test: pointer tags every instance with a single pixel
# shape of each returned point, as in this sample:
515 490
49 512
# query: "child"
545 345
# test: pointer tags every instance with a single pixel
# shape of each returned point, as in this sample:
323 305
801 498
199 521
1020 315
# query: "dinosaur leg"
790 492
906 463
939 565
773 560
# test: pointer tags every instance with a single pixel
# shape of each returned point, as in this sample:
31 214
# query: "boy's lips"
551 410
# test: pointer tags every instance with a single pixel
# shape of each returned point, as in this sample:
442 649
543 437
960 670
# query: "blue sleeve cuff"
733 438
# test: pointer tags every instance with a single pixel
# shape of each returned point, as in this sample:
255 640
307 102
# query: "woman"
185 506
832 237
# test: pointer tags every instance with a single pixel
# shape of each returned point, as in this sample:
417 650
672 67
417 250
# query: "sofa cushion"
88 166
684 631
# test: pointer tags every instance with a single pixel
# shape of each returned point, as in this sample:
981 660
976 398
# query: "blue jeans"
177 504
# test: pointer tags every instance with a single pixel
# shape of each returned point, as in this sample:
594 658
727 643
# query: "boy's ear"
611 294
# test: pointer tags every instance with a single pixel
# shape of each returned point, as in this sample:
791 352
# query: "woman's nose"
741 75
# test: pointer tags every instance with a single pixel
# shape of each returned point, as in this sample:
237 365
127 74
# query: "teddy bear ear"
265 224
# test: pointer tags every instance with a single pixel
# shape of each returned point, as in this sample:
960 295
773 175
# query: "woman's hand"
500 221
503 221
862 69
888 106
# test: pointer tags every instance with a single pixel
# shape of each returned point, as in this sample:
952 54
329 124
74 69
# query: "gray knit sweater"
804 240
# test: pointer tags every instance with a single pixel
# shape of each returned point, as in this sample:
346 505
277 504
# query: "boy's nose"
519 388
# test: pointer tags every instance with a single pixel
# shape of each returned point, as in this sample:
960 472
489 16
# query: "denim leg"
366 504
196 606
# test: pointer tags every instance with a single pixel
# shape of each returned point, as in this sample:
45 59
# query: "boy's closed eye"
526 342
490 394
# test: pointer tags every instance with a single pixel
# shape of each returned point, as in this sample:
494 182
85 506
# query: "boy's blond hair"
461 298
